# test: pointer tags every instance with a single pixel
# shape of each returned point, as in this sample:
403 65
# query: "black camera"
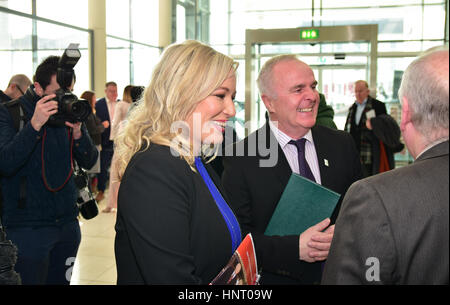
70 108
86 202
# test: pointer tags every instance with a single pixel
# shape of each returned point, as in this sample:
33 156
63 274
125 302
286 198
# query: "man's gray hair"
425 85
264 80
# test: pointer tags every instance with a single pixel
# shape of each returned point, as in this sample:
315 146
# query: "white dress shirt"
291 153
359 110
111 108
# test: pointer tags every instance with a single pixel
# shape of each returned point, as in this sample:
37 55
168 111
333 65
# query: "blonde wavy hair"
186 74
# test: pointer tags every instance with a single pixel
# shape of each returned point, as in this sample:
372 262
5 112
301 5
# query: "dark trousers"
46 255
105 162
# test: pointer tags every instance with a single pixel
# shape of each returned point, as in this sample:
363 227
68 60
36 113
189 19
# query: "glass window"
181 23
407 46
118 62
433 21
219 22
265 20
394 23
15 33
118 18
54 39
367 3
268 5
23 6
66 11
144 60
388 81
144 21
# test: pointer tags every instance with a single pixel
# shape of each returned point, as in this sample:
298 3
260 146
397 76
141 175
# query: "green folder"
303 204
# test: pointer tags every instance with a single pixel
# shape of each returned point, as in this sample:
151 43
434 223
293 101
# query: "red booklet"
242 268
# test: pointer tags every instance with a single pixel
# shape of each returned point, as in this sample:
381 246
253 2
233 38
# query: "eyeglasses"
18 87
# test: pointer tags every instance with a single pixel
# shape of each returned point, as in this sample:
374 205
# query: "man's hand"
315 244
44 109
105 124
76 129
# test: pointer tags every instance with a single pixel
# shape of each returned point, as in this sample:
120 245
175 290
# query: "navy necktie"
304 169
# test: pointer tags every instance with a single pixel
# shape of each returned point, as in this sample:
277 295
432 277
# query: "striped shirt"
290 151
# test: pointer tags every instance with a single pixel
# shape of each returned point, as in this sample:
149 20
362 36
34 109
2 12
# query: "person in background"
95 128
105 111
169 227
116 127
393 227
17 86
325 114
357 124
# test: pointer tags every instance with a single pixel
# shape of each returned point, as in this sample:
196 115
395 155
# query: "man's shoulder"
375 102
3 97
100 101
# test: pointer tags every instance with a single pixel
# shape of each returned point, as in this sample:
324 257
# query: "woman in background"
169 229
118 121
95 129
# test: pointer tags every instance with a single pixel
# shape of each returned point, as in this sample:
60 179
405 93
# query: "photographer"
38 190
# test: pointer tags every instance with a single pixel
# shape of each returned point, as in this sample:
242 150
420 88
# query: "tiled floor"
95 263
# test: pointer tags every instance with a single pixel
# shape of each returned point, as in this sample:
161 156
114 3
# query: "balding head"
425 86
361 91
17 86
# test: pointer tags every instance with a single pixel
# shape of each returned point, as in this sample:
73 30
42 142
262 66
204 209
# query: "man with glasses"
17 86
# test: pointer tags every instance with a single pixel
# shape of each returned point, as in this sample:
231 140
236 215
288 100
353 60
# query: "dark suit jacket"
101 110
254 192
169 229
400 218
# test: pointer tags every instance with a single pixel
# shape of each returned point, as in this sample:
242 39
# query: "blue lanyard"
227 213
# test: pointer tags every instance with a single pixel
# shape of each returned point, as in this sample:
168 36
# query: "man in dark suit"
255 177
104 109
358 125
393 227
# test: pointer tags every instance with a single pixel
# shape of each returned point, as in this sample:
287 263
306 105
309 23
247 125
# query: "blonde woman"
172 227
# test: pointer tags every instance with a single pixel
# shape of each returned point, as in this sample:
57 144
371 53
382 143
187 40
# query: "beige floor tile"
95 263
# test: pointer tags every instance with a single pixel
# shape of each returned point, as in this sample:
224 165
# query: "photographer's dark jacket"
23 157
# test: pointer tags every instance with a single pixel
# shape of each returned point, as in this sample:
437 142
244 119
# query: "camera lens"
77 110
80 110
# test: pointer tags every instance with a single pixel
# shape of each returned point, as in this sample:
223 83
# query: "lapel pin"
326 162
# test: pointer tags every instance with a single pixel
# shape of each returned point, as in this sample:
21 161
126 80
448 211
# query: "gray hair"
425 84
264 80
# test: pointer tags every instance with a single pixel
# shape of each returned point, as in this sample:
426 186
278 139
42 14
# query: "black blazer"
254 192
169 230
101 110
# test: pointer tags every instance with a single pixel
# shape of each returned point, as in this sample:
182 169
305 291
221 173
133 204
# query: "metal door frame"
350 33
